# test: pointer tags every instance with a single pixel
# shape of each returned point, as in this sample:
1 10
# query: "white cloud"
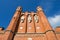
54 21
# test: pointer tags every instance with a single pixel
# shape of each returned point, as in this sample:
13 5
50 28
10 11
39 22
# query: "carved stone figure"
29 18
22 19
36 18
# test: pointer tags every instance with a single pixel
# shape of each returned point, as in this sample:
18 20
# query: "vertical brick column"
39 25
40 28
43 19
11 28
22 25
30 25
48 29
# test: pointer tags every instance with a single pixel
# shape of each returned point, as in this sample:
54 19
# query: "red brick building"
29 26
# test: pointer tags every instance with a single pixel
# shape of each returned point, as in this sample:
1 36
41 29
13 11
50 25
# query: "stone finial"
1 28
39 8
19 8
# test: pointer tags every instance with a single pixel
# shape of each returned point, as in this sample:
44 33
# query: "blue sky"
50 7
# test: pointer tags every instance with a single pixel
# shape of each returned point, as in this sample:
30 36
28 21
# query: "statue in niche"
36 18
22 19
29 18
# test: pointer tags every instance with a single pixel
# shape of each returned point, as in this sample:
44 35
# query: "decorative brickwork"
29 26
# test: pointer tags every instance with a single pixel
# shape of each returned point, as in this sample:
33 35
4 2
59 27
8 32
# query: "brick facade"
29 26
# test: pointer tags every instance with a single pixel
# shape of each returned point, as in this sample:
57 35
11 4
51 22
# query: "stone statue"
29 18
36 18
22 19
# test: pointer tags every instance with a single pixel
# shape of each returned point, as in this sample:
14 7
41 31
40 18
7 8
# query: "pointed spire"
39 8
19 8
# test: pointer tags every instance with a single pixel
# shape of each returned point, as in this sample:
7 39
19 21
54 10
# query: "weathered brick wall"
30 26
30 37
57 31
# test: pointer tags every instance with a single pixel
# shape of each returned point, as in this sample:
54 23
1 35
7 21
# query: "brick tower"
29 26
